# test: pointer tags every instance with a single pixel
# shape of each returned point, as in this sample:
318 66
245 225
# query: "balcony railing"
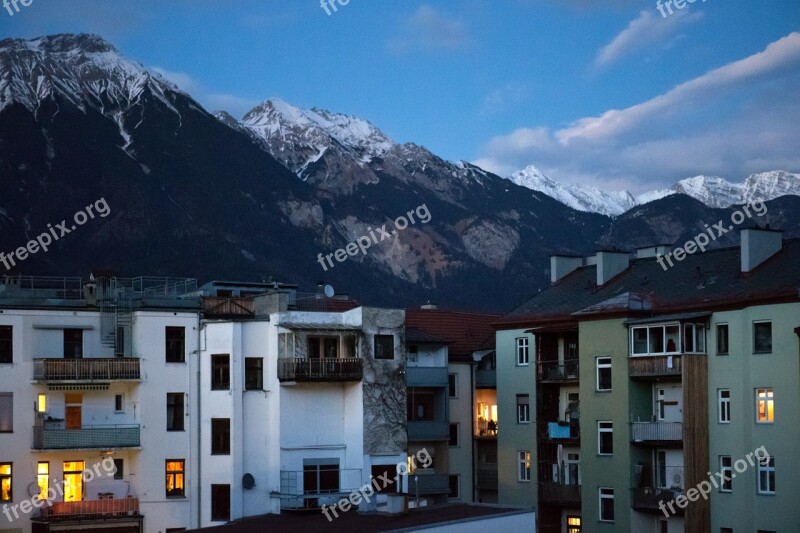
92 437
487 478
654 366
116 369
656 432
646 499
214 307
426 376
560 432
319 370
91 509
486 379
557 493
558 371
425 484
428 430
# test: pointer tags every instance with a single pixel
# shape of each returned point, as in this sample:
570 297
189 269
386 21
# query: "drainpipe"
474 457
200 327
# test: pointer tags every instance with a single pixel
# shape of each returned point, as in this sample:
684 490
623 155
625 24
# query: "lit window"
524 461
175 477
43 479
606 504
726 469
41 403
73 481
522 351
603 373
765 406
605 438
724 405
5 482
766 475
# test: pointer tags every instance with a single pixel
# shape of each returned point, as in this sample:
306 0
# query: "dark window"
174 529
176 481
384 346
603 373
606 504
605 438
452 385
420 405
220 372
762 337
320 476
119 469
722 339
5 482
118 403
6 412
73 343
726 530
175 411
119 342
176 344
523 409
453 482
6 345
323 347
220 436
253 373
220 503
453 435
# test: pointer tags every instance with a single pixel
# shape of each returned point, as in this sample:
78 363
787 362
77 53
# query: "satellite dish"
329 291
248 481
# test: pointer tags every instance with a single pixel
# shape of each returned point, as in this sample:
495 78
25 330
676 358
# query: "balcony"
661 433
486 379
421 376
87 438
83 370
646 499
487 478
222 308
559 494
91 509
427 484
654 366
558 371
320 370
428 430
561 433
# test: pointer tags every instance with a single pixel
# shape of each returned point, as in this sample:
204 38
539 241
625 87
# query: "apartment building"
95 380
679 375
303 401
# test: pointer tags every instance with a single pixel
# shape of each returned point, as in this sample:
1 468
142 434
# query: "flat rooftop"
314 520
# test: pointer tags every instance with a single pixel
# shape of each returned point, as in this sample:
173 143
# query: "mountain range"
201 194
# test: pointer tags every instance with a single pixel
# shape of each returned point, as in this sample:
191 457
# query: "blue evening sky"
605 92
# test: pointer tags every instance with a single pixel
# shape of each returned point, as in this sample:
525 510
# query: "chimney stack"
561 265
758 245
609 264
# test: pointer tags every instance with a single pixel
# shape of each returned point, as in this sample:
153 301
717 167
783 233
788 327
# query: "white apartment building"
94 372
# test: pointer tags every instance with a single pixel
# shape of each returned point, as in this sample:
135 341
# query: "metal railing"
551 492
487 478
310 370
485 379
647 499
566 370
426 376
654 366
36 287
428 430
120 368
424 484
91 509
92 437
656 431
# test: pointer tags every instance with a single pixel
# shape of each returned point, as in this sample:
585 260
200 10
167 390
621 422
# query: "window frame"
220 436
219 383
75 343
602 366
378 340
601 429
9 395
215 517
766 469
452 388
119 403
526 411
727 473
769 398
757 323
605 496
182 404
727 338
6 345
522 345
249 364
119 468
524 466
173 345
723 406
174 473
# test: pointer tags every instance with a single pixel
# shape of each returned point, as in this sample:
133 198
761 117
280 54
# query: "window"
762 337
220 372
765 406
174 529
119 402
6 412
43 478
420 405
523 409
605 438
603 373
175 411
722 339
253 373
573 524
175 478
5 482
454 481
41 403
522 351
384 346
655 339
726 469
323 347
453 435
220 503
726 530
73 480
6 345
724 405
452 385
220 436
119 469
73 343
694 339
176 344
766 475
524 470
606 504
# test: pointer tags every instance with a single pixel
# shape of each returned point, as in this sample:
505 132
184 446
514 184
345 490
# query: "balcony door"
73 481
669 402
74 410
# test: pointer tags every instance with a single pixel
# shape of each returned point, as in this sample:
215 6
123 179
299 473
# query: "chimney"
609 264
271 302
561 265
652 251
429 306
758 245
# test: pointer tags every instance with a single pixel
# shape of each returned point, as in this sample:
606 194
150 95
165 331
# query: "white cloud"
234 105
643 32
428 29
500 99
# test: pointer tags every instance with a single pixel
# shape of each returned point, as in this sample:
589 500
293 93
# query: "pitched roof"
465 332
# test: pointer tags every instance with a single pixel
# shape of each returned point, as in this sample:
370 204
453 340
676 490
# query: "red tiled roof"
466 332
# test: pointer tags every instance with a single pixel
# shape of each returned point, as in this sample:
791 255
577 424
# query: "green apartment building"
663 401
